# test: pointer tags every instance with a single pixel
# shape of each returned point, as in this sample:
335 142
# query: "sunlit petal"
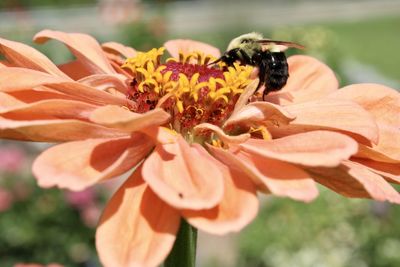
384 105
182 177
83 46
54 130
120 49
260 112
334 115
317 148
136 229
77 165
270 175
237 208
353 180
21 55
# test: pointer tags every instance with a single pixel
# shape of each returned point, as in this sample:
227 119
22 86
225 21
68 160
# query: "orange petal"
227 139
85 48
9 101
182 177
246 95
187 46
366 152
309 80
74 69
160 134
390 171
238 207
260 112
136 228
21 55
354 180
123 119
16 79
328 114
77 165
119 49
54 130
46 109
106 81
13 79
384 105
279 178
28 96
317 148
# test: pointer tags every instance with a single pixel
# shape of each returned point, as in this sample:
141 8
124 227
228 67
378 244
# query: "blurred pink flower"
90 215
80 199
12 159
6 200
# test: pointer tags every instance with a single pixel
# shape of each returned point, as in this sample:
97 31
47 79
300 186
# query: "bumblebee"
267 55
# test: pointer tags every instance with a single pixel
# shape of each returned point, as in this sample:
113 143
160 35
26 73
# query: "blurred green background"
359 39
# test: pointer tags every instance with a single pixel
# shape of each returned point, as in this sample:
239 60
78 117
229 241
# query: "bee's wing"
281 45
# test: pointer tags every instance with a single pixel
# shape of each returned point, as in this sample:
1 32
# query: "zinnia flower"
201 142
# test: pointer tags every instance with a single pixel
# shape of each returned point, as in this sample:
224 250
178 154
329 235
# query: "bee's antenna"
214 62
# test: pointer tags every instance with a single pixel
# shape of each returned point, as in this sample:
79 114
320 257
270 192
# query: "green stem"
184 251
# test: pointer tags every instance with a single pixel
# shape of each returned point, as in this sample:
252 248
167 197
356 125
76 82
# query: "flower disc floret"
192 91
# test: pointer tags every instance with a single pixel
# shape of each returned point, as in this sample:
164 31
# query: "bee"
268 55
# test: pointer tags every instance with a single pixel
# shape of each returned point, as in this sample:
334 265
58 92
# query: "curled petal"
119 49
136 228
21 55
84 47
317 148
245 96
328 114
183 177
123 119
354 180
237 209
228 139
54 130
77 165
384 105
106 81
188 46
309 79
17 79
260 112
279 178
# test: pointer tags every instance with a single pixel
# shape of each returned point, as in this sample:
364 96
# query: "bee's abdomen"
277 71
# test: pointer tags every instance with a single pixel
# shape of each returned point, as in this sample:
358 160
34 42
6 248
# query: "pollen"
186 87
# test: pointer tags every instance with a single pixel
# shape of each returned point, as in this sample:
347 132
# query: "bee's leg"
262 75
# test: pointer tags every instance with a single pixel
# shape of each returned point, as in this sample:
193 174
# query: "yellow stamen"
264 132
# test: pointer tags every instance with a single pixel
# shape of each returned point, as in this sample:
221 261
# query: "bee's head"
245 40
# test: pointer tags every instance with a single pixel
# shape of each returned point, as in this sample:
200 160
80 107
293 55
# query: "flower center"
187 88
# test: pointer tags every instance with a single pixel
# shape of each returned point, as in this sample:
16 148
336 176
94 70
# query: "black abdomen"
276 71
